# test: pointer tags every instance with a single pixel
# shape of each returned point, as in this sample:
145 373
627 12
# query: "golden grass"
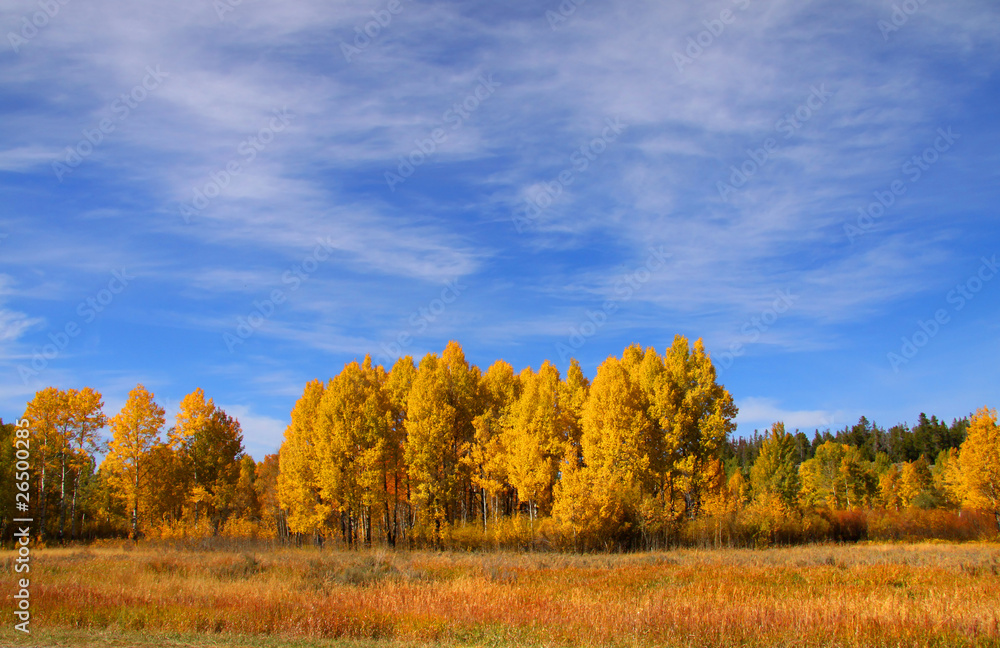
820 595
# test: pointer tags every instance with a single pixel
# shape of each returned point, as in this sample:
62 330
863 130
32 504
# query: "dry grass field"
820 595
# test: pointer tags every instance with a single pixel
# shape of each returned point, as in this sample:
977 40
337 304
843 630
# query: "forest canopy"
441 454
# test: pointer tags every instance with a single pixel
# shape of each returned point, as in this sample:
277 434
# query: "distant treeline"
900 443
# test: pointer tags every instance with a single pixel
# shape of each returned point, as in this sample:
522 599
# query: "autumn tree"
947 473
774 477
916 481
822 480
266 486
87 419
599 502
135 432
695 415
398 387
463 382
500 389
353 425
65 426
431 455
214 454
246 503
193 415
573 396
534 439
298 486
890 488
166 492
7 473
980 463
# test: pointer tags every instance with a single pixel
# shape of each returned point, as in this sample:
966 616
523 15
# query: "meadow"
158 594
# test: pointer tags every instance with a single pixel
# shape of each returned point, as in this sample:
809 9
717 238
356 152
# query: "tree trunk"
135 505
41 503
62 496
72 513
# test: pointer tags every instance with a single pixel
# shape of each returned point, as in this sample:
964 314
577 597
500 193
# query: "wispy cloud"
322 177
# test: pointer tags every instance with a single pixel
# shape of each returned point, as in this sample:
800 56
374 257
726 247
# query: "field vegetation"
208 594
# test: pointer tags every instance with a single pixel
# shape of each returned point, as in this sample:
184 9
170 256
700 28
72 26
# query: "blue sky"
243 196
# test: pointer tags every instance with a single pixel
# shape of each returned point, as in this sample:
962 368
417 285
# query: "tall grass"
819 595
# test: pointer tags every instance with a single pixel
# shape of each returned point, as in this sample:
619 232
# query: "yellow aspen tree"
774 477
979 458
595 508
298 486
695 416
573 396
266 486
533 438
430 451
89 419
500 390
193 415
135 431
398 387
718 497
948 477
890 487
65 436
337 416
380 453
616 425
740 491
355 417
246 502
915 480
859 479
822 480
44 411
463 381
599 502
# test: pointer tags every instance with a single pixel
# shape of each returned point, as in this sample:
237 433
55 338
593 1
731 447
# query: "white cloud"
762 412
261 434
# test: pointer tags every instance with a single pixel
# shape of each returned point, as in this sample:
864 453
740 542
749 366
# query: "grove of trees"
443 454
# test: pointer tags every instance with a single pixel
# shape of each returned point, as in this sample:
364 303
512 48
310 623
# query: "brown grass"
820 595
